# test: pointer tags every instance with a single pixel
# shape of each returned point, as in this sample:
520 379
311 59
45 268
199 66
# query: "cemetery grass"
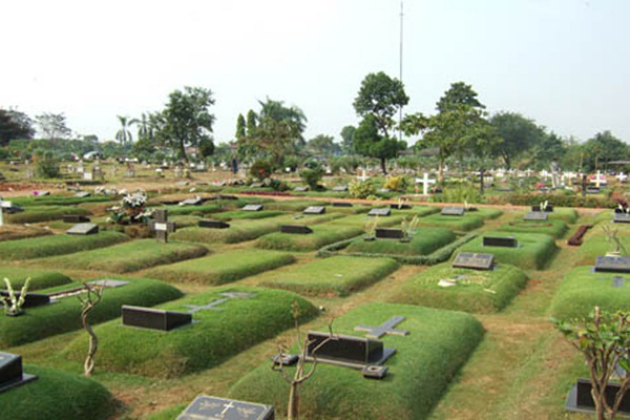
50 245
56 394
366 222
222 268
131 256
596 244
38 214
425 362
246 215
486 213
214 337
13 232
57 200
534 250
334 276
423 242
40 279
322 235
464 223
65 315
487 291
555 228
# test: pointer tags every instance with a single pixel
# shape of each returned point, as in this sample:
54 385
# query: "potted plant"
13 304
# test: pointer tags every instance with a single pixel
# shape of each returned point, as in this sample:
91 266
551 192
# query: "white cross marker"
364 177
599 179
227 407
425 181
621 177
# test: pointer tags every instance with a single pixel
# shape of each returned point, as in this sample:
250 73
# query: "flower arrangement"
13 304
132 209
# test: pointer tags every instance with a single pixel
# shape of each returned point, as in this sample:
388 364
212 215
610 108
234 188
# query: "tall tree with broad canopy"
604 147
53 126
323 145
346 136
240 127
14 125
379 99
186 120
123 135
459 94
519 135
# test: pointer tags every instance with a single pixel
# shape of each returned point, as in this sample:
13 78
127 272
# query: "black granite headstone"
548 209
385 233
348 351
252 207
31 299
536 216
384 212
213 408
83 229
11 373
474 261
400 206
500 241
581 400
213 224
612 265
314 210
296 229
452 211
154 319
341 204
75 218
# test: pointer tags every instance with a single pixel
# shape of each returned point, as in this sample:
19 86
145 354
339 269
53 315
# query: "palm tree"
145 129
124 135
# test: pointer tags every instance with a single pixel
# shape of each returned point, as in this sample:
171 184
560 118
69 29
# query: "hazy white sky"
565 63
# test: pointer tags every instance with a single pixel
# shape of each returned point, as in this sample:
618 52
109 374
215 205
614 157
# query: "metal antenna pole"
400 69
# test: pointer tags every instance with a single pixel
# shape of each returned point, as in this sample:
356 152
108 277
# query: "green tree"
186 120
604 147
252 121
346 135
323 145
519 135
124 135
145 129
240 127
551 147
379 99
53 126
14 125
459 94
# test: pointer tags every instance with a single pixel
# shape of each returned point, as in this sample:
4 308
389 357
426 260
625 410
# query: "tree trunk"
481 172
88 367
293 411
441 172
383 166
182 149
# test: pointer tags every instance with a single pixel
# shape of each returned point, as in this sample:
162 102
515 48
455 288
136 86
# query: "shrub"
47 165
476 291
396 183
425 362
361 189
45 246
261 169
335 276
222 268
312 174
214 337
460 193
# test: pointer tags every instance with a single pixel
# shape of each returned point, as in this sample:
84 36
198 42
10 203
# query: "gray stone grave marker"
314 210
300 189
474 261
384 212
622 218
253 207
612 265
195 201
161 226
452 211
83 229
536 216
213 305
387 328
213 408
82 194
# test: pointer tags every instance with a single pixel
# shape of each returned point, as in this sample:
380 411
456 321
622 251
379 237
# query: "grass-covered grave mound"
567 215
38 214
555 228
334 276
222 268
12 232
214 336
249 215
57 200
465 223
424 240
130 256
485 213
40 279
534 250
366 222
469 290
56 394
425 362
65 314
582 289
246 230
45 246
322 235
597 244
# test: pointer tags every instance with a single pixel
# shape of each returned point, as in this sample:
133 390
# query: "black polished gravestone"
548 208
384 212
30 299
580 399
500 241
341 204
154 319
347 351
83 229
75 218
11 373
314 210
452 211
536 216
296 229
474 261
400 206
213 224
612 265
622 218
386 233
213 408
253 207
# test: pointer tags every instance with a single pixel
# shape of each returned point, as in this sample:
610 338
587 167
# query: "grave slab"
83 229
500 241
452 211
213 408
387 328
580 399
341 204
384 212
314 210
387 233
213 224
622 218
253 207
612 265
536 216
11 373
348 351
154 319
474 261
296 229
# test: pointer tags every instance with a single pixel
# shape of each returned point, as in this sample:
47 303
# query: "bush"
65 315
45 246
57 395
458 194
213 338
556 200
396 183
47 166
130 256
335 276
425 362
322 235
222 268
261 169
361 189
477 291
312 175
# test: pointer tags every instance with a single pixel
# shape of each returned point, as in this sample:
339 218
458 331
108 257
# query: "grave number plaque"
296 229
385 233
452 211
11 373
474 261
612 265
75 218
500 241
536 216
384 212
341 204
347 351
622 218
154 319
213 408
314 210
581 400
252 207
83 229
213 224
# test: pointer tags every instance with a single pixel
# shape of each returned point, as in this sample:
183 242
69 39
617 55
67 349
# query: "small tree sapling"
92 297
13 304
